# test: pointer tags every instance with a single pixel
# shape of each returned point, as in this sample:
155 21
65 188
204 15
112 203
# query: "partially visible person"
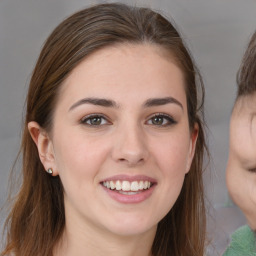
241 168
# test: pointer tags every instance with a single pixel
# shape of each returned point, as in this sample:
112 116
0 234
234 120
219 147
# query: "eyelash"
167 120
253 170
90 118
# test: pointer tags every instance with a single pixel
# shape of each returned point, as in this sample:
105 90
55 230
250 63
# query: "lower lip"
130 199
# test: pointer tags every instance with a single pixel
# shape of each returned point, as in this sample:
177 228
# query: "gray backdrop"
216 32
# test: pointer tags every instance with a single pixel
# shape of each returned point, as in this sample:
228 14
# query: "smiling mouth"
126 187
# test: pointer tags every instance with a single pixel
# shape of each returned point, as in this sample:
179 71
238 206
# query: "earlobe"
192 146
44 145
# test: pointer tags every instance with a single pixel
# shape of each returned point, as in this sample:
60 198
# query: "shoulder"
242 243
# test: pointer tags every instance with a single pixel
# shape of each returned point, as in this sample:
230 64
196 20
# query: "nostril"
131 161
129 152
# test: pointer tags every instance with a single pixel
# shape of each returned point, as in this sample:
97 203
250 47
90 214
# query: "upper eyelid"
94 115
161 114
170 119
253 169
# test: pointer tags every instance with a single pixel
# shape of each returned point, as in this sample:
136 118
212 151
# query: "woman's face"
241 169
121 142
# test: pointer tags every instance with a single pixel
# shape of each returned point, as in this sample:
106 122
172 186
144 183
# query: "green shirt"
242 243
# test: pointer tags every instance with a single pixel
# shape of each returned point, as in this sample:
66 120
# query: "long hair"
36 221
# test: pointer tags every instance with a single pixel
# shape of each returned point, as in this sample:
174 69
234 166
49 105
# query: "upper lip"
130 178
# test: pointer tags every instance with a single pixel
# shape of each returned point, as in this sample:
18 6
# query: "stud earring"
50 171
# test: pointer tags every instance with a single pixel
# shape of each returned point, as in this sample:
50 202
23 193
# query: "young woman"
113 141
241 169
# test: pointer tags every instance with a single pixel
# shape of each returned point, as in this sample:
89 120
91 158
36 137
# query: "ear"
192 146
44 146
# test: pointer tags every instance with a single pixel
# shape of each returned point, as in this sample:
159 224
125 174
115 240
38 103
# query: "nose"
130 146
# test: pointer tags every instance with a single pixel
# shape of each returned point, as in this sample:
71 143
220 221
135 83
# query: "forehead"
139 68
245 106
140 51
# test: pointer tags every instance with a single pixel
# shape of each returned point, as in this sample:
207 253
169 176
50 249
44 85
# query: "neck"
90 241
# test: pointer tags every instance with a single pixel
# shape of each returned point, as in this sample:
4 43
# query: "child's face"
241 169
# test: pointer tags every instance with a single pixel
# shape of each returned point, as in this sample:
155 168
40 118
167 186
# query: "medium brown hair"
246 75
37 219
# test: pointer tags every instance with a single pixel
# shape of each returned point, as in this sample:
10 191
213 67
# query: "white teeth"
125 186
106 184
112 185
145 184
118 185
135 186
141 185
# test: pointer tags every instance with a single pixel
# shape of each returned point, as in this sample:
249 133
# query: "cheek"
172 165
172 154
247 203
251 188
234 184
253 197
79 156
242 141
242 188
171 157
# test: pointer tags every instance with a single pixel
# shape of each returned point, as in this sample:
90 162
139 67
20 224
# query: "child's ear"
192 147
44 146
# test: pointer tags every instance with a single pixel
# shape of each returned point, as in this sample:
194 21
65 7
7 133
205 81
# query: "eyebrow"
110 103
95 101
162 101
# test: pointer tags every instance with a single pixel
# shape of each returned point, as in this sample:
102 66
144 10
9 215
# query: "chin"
131 228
